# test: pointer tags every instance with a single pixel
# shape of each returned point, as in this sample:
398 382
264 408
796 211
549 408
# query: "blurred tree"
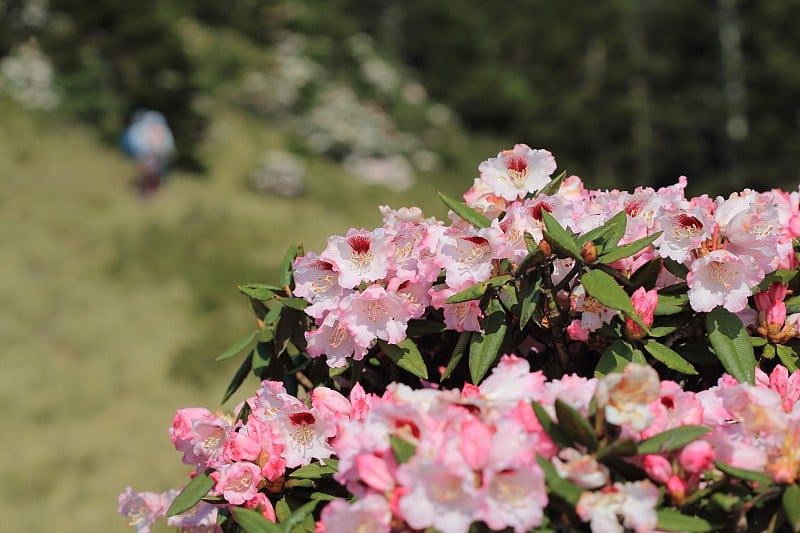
115 57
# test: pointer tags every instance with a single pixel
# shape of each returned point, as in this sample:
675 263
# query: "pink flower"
375 313
696 457
722 278
201 517
633 502
261 503
334 340
181 432
581 468
142 509
513 497
360 256
626 397
644 303
305 435
376 472
369 514
463 316
316 281
518 172
360 402
683 231
657 467
238 482
467 256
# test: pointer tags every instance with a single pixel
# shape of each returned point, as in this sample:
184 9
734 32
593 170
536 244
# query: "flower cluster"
551 357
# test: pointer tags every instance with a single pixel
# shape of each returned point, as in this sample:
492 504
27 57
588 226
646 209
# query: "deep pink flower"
369 514
644 303
238 482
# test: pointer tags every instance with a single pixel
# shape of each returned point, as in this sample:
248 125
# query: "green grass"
114 308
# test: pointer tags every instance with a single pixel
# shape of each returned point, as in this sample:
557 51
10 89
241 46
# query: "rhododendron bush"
551 358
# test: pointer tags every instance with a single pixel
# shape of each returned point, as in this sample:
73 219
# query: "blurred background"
293 120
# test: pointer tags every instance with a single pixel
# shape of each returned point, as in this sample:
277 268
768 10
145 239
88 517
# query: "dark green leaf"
418 328
792 305
253 521
316 470
260 291
285 271
486 346
672 439
477 291
647 275
778 276
535 257
299 515
575 426
406 355
788 356
458 352
617 448
679 270
237 347
531 292
669 357
731 344
403 450
549 426
192 493
566 489
758 341
672 520
560 238
627 250
619 354
295 303
238 377
741 473
609 233
791 506
603 288
465 212
552 187
324 496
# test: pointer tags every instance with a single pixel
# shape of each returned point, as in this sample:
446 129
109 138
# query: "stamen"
721 274
518 169
359 243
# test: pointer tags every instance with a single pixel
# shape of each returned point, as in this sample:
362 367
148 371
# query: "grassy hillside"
114 307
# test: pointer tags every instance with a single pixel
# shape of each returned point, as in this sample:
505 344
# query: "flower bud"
657 467
589 252
545 247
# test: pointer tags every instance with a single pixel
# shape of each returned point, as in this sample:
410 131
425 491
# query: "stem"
555 315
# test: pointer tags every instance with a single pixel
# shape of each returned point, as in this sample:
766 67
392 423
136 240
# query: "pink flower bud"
476 442
676 488
697 457
374 472
330 402
657 467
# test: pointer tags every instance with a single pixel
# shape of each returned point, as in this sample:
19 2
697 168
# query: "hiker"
149 140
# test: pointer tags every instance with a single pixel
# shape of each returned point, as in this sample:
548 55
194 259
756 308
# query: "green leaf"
559 237
672 520
669 357
778 276
788 356
531 293
485 347
237 347
741 473
299 515
731 344
260 291
549 426
791 506
672 439
253 521
627 250
238 377
282 510
792 305
566 489
552 187
617 356
192 493
285 270
617 448
678 270
458 352
672 304
406 355
575 426
608 234
403 450
603 288
465 212
316 470
477 291
535 257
